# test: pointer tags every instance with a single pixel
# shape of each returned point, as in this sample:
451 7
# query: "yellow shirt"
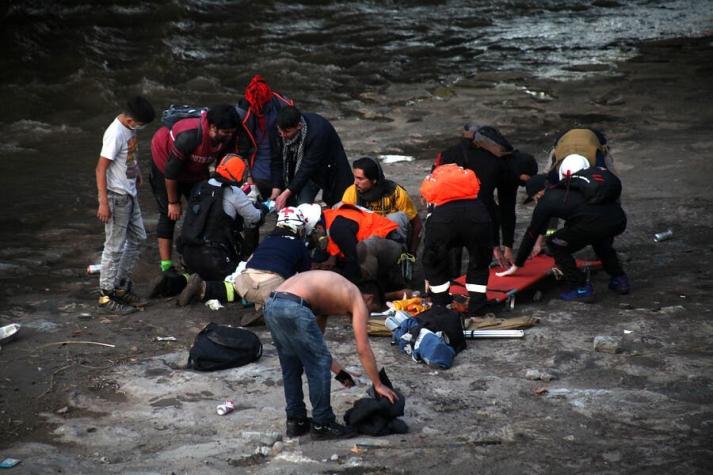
399 200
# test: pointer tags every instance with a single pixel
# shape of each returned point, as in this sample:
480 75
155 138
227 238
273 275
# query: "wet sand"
86 408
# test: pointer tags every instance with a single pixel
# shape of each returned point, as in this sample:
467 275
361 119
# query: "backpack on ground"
221 347
423 345
597 184
441 319
175 113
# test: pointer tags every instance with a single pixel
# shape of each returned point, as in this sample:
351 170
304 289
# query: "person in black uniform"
459 219
490 155
585 224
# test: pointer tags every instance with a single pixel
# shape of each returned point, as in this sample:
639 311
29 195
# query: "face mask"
138 127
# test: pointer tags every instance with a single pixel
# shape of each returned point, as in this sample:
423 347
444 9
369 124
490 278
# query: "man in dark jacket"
258 111
585 224
307 155
489 154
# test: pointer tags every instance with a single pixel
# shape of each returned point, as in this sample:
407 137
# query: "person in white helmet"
357 243
279 256
589 219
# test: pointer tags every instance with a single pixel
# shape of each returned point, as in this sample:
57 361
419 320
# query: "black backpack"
205 205
222 347
175 113
441 319
597 184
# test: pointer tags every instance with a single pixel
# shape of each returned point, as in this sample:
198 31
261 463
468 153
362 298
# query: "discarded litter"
165 338
9 462
213 304
396 158
94 269
9 332
472 334
662 236
226 408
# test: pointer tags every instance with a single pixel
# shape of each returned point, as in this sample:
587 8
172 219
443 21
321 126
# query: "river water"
66 67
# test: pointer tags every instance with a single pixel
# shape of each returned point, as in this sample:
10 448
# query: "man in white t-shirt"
118 178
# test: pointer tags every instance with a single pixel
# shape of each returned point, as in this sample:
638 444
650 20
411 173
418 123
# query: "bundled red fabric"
449 183
258 93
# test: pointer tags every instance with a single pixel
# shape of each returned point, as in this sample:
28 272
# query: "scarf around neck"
293 152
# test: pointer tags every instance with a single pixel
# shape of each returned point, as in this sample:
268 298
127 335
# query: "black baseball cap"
534 185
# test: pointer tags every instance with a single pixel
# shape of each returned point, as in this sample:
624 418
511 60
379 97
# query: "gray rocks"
607 344
539 375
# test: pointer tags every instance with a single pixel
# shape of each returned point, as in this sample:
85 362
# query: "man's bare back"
328 293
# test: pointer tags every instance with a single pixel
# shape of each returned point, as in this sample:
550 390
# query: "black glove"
345 379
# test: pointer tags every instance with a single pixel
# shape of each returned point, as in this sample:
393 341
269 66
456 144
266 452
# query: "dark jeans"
210 262
165 226
301 348
570 239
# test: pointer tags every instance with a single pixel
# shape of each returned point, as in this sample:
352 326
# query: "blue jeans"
301 348
308 193
124 235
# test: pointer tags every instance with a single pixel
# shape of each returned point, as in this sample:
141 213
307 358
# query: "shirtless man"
296 314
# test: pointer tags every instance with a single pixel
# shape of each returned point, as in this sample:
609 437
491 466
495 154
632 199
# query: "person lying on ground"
296 314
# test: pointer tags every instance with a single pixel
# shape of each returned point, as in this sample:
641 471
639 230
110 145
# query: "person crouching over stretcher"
458 219
588 202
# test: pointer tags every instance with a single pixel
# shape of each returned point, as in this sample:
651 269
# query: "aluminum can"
226 408
662 236
94 268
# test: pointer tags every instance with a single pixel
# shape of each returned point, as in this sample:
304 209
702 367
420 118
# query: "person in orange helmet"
210 238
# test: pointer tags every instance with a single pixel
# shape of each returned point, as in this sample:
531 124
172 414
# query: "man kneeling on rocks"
296 314
279 256
587 221
357 243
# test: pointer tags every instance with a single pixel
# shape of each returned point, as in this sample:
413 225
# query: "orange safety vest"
450 183
370 224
